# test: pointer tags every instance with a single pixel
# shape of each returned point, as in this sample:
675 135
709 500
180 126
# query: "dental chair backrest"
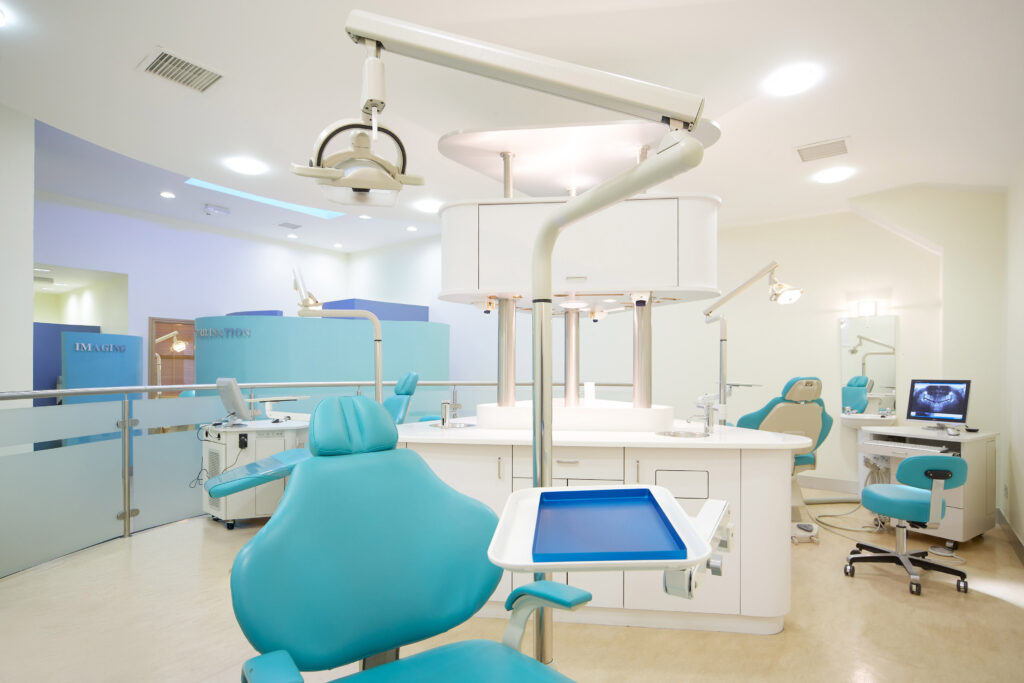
855 393
799 410
368 550
398 403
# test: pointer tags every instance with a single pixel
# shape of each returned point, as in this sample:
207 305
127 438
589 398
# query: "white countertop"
922 433
721 438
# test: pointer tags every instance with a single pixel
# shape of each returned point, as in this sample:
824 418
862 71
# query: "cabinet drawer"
572 462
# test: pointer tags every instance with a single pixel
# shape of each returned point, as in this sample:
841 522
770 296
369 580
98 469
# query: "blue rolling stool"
917 502
369 551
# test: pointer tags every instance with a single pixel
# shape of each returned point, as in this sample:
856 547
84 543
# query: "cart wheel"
795 542
230 525
915 588
814 539
216 519
849 570
961 585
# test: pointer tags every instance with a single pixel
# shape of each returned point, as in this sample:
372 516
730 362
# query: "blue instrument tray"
610 524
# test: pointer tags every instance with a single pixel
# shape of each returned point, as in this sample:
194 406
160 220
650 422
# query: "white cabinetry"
667 245
481 472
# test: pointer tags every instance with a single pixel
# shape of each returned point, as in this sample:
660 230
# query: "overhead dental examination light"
778 292
680 149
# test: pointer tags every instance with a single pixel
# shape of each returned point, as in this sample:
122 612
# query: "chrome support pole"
506 158
572 357
543 625
378 370
642 371
723 385
126 463
506 352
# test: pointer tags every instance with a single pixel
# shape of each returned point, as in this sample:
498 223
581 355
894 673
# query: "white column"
17 193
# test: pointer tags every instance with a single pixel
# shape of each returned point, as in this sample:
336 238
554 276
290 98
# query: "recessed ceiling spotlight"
836 174
292 236
167 194
427 205
365 217
246 165
412 228
793 79
338 245
610 301
41 270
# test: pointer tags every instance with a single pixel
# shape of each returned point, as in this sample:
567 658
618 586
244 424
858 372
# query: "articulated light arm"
770 268
590 86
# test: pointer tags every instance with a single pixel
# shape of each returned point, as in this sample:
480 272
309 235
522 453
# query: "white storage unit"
664 245
971 508
749 469
228 447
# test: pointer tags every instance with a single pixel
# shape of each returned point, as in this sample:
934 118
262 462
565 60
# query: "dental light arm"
778 292
590 86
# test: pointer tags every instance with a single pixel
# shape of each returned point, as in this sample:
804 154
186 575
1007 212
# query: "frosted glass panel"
50 423
171 412
165 465
57 501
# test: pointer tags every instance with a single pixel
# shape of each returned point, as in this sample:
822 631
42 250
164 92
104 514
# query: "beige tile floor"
155 607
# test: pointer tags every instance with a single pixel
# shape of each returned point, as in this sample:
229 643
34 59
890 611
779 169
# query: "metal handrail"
96 391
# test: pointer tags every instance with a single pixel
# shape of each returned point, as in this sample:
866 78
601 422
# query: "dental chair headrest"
406 384
350 424
802 389
858 381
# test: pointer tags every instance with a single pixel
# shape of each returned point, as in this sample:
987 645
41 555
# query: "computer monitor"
942 401
231 397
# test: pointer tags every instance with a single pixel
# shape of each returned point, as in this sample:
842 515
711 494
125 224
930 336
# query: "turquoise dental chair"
855 393
917 502
398 403
369 551
799 410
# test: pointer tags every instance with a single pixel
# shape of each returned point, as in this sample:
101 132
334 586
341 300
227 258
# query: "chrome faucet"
707 404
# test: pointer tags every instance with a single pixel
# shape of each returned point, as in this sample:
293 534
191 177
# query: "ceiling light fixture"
610 301
41 270
246 165
338 245
167 194
214 210
793 79
836 174
427 205
573 304
292 236
411 228
365 217
309 211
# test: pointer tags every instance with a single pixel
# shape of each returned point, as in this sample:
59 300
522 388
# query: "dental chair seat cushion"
805 459
463 662
899 501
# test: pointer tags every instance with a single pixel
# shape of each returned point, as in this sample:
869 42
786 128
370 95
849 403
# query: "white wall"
103 302
47 308
17 183
1013 415
179 273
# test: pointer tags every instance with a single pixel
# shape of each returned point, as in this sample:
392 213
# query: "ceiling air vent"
183 72
42 280
822 150
289 226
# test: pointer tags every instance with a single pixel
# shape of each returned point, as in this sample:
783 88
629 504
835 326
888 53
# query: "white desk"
970 509
749 469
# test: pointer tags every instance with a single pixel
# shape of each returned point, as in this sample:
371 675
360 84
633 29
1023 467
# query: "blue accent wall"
385 310
46 356
293 349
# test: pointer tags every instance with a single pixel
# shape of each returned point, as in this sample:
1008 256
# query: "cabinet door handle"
568 462
499 467
638 471
576 277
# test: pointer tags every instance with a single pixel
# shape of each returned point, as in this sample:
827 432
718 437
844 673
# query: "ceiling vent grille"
42 280
289 226
822 150
182 72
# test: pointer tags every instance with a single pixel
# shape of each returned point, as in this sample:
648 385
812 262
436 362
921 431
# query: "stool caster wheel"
915 588
961 585
216 519
230 525
848 570
855 551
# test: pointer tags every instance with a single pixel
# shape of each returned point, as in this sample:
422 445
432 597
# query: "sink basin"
595 415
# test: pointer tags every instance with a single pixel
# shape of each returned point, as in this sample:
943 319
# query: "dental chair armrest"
272 667
523 601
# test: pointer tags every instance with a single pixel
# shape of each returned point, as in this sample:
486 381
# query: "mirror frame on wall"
871 336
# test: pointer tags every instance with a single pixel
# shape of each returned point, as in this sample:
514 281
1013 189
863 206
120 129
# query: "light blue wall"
292 349
92 359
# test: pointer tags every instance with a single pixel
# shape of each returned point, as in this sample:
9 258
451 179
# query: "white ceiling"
924 90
